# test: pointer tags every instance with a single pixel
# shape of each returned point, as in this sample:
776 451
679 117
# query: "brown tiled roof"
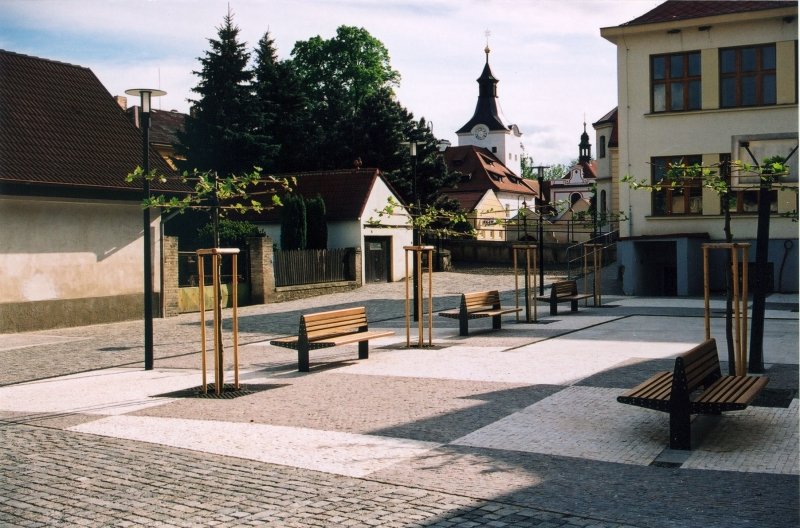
60 128
611 118
164 124
467 200
673 10
486 171
344 192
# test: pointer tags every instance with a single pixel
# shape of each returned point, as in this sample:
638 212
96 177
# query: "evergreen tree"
293 223
221 133
317 221
281 104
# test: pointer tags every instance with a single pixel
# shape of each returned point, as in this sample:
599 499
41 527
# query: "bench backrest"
478 300
322 324
695 368
563 288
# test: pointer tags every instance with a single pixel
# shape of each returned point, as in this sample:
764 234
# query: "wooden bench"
329 329
696 386
563 291
477 305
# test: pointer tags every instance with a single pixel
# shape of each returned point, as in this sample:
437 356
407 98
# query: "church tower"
487 127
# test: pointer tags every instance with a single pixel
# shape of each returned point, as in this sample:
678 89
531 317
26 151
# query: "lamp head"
146 95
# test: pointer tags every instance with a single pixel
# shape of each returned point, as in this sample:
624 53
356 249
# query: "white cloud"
548 55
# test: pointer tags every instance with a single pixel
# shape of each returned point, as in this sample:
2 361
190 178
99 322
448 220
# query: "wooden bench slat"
696 386
563 291
475 305
328 329
738 390
355 337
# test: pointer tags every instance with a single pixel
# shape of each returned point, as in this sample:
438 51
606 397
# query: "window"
747 76
602 147
686 197
744 200
675 82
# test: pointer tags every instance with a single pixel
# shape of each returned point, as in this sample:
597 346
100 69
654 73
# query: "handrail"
605 240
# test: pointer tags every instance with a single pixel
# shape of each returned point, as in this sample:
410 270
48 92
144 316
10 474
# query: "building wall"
710 131
488 216
505 144
396 225
72 262
707 132
351 233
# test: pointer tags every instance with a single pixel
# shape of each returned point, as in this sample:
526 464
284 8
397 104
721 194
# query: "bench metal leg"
463 326
363 349
496 322
680 429
574 305
553 308
302 359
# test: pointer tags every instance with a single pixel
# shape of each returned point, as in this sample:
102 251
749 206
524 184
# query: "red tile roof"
486 170
467 200
345 192
164 124
60 128
610 118
673 10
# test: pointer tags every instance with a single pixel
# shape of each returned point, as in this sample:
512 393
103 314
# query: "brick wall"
169 287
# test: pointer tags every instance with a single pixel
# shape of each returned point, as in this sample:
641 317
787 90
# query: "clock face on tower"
480 132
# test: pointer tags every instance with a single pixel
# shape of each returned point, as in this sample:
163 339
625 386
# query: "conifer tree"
221 133
316 217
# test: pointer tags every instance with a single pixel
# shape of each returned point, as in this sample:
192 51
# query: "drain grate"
775 398
228 392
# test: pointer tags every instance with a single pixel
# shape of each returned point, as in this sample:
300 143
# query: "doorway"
377 256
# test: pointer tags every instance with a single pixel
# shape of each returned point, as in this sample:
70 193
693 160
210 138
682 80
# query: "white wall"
56 249
396 225
707 132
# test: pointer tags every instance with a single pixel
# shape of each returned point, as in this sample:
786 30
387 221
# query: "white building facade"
699 88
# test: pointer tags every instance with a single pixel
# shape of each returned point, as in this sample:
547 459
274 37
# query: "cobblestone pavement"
511 428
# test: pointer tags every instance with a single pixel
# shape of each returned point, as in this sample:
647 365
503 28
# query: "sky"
555 70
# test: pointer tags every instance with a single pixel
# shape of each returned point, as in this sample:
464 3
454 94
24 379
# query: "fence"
310 266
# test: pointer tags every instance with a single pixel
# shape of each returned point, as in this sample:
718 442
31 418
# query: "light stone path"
517 427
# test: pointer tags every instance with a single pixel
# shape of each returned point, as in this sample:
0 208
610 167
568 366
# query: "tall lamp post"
412 146
539 203
146 95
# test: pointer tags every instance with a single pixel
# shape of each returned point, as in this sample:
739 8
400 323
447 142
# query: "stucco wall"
706 132
68 262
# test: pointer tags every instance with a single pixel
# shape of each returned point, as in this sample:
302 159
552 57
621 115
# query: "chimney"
122 101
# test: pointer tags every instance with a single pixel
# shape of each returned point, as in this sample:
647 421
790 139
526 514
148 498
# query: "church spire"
487 111
584 148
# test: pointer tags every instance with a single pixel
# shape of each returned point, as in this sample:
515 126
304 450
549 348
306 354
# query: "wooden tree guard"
219 367
739 299
596 251
416 252
528 249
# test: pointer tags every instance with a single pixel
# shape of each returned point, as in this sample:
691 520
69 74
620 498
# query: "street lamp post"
540 201
146 95
415 232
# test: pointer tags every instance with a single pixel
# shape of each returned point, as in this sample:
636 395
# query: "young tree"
717 177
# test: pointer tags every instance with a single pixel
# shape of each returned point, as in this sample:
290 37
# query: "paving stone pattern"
501 429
